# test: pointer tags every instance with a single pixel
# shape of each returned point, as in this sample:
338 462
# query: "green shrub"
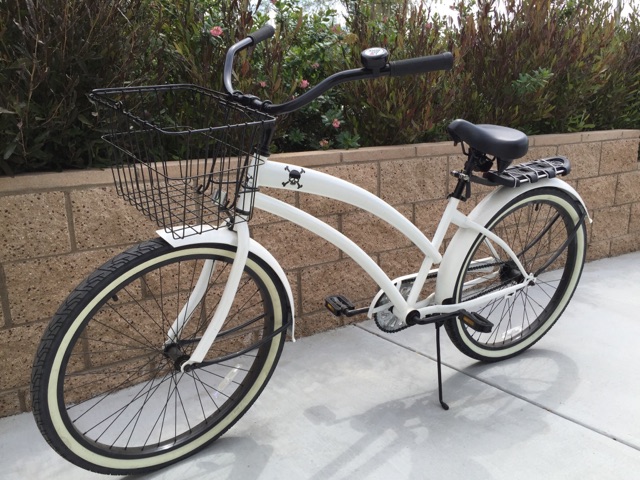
617 103
52 53
399 110
192 38
308 48
536 66
539 65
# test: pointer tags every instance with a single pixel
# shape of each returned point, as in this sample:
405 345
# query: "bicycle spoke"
84 385
541 233
124 394
195 376
149 395
115 414
148 344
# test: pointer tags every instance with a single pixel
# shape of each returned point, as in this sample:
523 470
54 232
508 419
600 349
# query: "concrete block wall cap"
30 182
604 135
437 149
554 139
631 133
579 137
309 159
371 154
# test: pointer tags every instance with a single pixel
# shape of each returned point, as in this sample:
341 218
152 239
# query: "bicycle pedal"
476 321
338 304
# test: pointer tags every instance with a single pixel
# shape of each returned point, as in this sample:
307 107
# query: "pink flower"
304 83
335 123
315 66
324 143
216 31
263 84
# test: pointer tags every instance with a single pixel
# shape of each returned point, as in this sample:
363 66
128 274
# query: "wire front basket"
185 156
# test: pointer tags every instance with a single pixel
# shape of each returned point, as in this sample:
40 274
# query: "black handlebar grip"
412 66
262 34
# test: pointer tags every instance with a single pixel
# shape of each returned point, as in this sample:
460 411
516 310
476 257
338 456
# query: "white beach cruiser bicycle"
163 348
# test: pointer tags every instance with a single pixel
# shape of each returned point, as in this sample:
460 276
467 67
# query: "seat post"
463 186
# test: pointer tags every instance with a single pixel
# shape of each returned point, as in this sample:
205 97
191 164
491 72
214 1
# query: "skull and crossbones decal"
294 177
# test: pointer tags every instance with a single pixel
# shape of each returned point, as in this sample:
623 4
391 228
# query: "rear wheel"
108 392
544 227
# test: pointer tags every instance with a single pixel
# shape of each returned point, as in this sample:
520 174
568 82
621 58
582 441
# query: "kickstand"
439 361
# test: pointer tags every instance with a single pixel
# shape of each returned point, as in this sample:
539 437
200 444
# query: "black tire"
106 392
536 225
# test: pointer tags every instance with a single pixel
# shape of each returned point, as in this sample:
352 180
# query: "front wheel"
108 392
545 228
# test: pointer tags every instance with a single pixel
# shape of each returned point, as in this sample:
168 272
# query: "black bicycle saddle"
505 143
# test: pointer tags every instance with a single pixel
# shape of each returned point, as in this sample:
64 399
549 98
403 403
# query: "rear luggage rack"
530 172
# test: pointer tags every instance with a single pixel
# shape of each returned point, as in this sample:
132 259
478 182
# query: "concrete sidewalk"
359 404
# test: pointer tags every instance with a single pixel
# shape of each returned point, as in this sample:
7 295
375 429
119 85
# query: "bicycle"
162 349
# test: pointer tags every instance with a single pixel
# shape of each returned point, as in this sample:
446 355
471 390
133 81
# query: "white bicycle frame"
318 183
291 177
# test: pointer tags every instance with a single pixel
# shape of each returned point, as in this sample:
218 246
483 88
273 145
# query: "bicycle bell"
374 58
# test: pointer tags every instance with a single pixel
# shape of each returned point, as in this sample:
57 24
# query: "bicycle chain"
390 331
430 276
492 289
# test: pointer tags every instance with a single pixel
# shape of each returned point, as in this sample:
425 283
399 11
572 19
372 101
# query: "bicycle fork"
223 308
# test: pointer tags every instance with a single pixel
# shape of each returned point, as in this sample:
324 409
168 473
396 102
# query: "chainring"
385 319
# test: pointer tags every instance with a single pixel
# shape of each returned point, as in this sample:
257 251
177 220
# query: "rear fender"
464 238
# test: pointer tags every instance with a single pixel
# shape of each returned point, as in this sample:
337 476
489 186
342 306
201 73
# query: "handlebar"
264 33
254 38
413 66
399 68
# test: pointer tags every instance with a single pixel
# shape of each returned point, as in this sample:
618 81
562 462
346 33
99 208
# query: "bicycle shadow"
229 457
446 443
413 431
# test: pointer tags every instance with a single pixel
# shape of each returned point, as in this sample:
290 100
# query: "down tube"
311 223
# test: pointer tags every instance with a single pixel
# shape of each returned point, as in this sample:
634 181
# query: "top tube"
411 66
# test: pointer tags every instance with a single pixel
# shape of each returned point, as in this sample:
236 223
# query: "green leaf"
84 120
9 150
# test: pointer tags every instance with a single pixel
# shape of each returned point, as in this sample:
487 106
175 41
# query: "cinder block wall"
56 228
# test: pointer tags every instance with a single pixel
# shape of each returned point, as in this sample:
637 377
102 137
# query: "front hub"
176 355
